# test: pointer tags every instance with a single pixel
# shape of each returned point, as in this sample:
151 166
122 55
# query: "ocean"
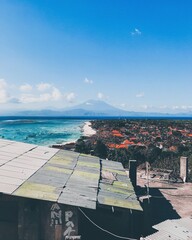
46 131
41 130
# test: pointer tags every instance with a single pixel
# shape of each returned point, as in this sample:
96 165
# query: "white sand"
88 130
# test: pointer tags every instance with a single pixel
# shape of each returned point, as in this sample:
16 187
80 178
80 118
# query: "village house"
52 194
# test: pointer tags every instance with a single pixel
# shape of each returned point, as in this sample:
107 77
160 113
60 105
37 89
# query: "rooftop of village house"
66 177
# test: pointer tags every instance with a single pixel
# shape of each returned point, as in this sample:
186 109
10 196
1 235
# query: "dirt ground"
179 195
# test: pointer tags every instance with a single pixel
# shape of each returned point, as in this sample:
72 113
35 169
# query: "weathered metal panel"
185 222
162 236
22 165
38 191
7 188
76 199
111 201
11 180
49 180
174 228
9 154
34 161
69 177
3 162
14 174
17 169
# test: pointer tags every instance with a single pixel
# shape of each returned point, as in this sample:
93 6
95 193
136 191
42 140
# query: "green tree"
100 149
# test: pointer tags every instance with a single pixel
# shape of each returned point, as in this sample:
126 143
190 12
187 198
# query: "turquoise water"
40 131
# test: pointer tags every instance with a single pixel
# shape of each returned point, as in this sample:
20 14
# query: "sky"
133 54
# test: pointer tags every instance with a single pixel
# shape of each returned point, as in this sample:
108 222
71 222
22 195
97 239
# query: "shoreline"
86 130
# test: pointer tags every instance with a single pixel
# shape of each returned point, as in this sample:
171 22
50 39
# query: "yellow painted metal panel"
86 174
57 169
88 164
122 203
38 191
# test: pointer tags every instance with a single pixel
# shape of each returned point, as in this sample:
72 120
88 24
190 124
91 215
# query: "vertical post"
147 216
184 168
133 172
58 232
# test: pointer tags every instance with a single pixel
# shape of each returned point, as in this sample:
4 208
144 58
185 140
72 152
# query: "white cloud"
3 96
3 92
163 107
100 95
145 106
3 83
56 94
25 87
136 32
88 81
183 107
123 105
43 86
88 103
186 107
70 97
140 95
27 98
175 107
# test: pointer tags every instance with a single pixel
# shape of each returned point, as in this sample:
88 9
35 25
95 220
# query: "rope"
102 229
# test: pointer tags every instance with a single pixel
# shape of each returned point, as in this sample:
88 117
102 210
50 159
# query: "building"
52 194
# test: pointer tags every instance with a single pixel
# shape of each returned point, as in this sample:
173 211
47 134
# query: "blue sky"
133 54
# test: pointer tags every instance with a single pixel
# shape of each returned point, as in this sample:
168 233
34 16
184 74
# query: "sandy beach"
88 130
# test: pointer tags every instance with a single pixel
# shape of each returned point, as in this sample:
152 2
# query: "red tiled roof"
128 142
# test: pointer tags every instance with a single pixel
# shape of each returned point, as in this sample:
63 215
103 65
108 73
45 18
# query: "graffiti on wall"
69 224
56 215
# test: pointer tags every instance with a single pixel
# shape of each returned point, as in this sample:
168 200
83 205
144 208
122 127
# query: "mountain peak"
95 105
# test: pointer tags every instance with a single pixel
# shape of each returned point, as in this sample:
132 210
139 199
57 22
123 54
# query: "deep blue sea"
40 131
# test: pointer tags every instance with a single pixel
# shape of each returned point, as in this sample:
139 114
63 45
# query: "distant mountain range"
94 108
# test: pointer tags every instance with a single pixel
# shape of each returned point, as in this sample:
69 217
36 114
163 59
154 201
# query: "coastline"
86 130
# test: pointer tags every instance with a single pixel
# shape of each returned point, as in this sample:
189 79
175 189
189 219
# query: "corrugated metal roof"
66 177
180 229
